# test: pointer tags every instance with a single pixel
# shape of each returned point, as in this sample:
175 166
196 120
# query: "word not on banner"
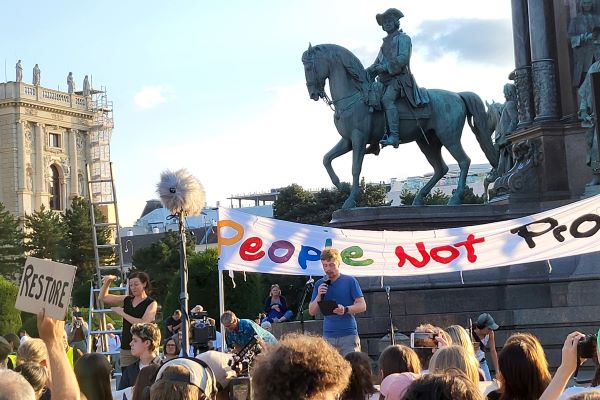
45 284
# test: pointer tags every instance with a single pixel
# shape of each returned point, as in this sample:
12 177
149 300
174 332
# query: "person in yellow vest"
68 349
5 349
15 342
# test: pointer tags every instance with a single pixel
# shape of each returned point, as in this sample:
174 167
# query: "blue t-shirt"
245 332
344 291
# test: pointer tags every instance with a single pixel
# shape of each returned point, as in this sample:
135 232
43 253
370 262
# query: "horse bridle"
311 58
312 81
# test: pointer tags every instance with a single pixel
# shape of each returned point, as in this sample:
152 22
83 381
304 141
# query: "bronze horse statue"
359 127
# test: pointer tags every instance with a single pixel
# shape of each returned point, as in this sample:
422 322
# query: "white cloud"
149 97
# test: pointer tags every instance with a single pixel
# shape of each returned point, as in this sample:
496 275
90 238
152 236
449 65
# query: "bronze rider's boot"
392 117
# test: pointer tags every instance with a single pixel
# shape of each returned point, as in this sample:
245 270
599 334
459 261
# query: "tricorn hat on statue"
390 12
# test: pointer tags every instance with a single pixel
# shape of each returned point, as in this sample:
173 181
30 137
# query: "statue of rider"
392 66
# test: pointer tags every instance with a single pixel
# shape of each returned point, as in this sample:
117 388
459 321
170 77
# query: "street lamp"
128 243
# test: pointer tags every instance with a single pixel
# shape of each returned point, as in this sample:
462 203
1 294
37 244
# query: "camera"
423 340
586 348
198 314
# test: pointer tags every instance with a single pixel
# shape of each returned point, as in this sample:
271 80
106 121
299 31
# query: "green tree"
372 195
11 244
246 299
436 198
79 249
45 234
469 197
299 205
161 261
293 204
10 317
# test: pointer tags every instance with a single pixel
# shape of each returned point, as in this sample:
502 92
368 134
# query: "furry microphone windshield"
181 192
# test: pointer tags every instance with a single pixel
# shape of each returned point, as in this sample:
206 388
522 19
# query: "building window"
54 188
54 140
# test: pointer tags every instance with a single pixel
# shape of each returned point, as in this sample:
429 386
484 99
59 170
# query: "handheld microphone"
180 192
387 290
327 282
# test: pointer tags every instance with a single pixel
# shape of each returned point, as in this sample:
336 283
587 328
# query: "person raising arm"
135 308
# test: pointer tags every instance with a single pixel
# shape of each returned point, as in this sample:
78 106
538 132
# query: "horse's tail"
477 120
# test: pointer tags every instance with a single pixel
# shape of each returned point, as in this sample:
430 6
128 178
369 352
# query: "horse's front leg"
341 148
358 155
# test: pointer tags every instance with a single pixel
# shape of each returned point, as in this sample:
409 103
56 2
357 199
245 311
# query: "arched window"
54 188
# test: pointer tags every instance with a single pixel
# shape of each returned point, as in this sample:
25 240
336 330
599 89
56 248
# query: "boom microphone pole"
183 195
391 320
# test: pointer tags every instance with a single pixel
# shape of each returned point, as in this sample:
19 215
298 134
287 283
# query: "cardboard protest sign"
46 284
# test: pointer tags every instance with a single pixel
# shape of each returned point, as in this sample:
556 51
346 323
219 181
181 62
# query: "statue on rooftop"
86 86
19 72
36 75
70 83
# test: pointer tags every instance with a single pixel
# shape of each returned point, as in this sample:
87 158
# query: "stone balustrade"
24 91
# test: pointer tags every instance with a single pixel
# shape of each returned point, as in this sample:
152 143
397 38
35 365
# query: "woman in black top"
137 307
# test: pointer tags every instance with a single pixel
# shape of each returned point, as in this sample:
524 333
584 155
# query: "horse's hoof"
454 201
348 204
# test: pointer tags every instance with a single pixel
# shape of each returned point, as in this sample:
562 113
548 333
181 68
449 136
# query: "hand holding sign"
50 330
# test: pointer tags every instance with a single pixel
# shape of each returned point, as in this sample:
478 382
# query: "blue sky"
218 87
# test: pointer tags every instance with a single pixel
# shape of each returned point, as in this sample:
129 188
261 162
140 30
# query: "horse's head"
315 71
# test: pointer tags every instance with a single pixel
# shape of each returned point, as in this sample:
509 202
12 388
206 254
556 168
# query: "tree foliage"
11 244
316 208
440 198
10 317
161 260
79 240
45 234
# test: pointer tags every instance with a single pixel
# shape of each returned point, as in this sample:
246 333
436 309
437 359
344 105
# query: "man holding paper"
339 298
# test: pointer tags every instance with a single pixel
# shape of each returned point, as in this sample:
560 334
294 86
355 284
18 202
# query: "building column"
39 168
21 171
543 60
74 162
522 74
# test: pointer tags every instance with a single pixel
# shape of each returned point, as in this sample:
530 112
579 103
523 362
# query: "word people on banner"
256 244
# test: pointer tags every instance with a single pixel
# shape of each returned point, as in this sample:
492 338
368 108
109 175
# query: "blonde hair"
454 357
460 337
33 350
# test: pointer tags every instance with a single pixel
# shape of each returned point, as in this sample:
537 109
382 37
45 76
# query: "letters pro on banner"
258 244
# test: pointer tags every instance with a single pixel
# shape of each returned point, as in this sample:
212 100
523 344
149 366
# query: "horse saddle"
405 109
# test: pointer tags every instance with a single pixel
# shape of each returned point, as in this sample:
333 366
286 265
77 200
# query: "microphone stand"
392 333
183 294
308 286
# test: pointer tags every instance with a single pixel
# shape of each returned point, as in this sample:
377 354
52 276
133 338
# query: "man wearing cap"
392 66
483 332
184 378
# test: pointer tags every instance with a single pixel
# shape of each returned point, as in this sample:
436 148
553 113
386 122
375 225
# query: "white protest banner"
256 244
46 284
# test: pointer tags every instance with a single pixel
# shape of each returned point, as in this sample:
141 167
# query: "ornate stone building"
47 138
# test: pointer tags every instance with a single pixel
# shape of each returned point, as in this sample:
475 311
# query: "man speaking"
339 328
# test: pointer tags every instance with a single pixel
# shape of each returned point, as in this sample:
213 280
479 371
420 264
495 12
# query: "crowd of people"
445 363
